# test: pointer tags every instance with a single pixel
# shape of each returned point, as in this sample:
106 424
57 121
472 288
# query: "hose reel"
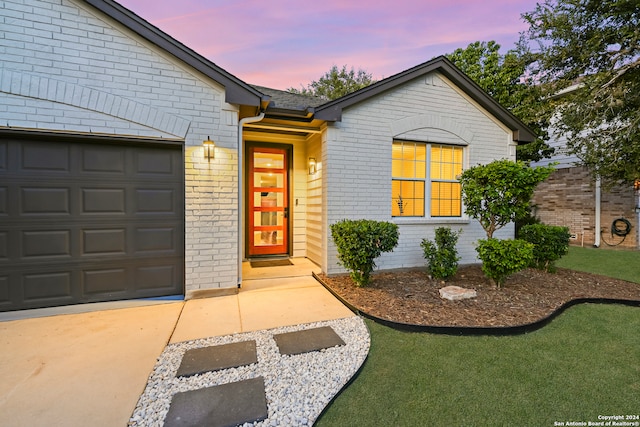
620 227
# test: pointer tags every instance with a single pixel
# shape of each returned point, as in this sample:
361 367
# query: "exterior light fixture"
312 165
209 149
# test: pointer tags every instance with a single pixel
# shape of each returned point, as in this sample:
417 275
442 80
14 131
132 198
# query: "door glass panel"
267 238
268 160
262 219
268 179
268 199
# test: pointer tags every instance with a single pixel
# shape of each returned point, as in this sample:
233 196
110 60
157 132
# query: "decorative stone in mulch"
217 357
220 406
454 293
307 340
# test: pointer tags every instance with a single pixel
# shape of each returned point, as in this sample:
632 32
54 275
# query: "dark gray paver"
220 406
307 340
217 357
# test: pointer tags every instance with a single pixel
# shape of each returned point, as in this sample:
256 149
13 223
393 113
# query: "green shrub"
359 242
551 243
441 255
501 258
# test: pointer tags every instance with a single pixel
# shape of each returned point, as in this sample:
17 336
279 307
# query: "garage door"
86 221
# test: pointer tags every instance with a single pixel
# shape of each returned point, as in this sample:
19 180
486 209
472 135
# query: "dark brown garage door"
87 221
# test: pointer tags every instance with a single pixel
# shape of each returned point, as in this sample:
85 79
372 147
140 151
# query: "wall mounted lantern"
312 165
209 149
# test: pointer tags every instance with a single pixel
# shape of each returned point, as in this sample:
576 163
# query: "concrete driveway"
89 369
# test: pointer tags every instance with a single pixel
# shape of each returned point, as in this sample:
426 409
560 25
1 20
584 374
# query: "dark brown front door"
268 201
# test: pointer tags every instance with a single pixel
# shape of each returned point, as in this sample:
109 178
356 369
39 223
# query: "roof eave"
236 91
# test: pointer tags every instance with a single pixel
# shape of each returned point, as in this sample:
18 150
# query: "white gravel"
297 387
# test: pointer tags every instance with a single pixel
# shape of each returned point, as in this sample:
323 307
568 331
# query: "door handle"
286 212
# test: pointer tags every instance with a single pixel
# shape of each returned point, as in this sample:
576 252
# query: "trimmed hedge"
441 255
359 242
550 244
502 258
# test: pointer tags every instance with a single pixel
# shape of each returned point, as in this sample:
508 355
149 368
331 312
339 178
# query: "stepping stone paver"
219 406
307 340
217 357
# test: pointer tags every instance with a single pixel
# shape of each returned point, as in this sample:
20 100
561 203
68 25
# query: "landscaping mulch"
410 296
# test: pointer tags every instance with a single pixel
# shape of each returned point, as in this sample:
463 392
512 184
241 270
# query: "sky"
285 43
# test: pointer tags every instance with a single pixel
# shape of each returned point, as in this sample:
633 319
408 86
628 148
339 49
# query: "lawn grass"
585 363
621 264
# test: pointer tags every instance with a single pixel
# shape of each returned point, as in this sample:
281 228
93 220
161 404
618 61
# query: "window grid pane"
408 198
445 199
409 170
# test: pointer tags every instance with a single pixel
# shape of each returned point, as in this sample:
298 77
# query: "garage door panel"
104 242
5 297
4 205
103 159
4 245
45 157
160 201
45 201
43 286
104 281
156 239
46 243
4 156
103 200
156 163
156 276
93 222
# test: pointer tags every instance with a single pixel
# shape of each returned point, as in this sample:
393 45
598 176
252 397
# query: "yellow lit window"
408 169
411 176
445 168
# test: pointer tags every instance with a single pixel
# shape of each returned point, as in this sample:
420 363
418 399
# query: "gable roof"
332 110
236 91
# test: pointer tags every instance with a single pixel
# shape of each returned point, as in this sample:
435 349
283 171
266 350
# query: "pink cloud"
285 43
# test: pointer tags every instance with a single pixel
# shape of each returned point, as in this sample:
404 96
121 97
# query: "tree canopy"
500 192
503 77
336 83
592 46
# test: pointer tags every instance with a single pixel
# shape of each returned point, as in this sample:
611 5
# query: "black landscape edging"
478 330
347 384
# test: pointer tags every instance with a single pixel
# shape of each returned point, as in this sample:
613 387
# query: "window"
408 168
446 165
418 166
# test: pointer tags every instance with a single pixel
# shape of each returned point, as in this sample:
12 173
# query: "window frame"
427 182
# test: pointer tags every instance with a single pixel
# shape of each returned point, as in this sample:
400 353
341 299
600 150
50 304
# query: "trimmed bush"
359 242
550 244
441 255
502 258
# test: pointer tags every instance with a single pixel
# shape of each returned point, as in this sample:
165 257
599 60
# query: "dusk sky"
286 43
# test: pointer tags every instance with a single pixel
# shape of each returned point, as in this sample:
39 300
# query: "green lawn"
583 364
621 264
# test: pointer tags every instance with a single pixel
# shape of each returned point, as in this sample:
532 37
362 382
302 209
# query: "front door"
268 215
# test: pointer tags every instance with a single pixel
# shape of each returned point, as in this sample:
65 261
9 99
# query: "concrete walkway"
90 368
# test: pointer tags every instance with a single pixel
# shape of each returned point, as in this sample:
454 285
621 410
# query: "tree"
593 45
500 192
336 83
503 77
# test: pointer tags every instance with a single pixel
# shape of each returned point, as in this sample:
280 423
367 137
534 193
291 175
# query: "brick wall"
567 198
65 67
357 173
